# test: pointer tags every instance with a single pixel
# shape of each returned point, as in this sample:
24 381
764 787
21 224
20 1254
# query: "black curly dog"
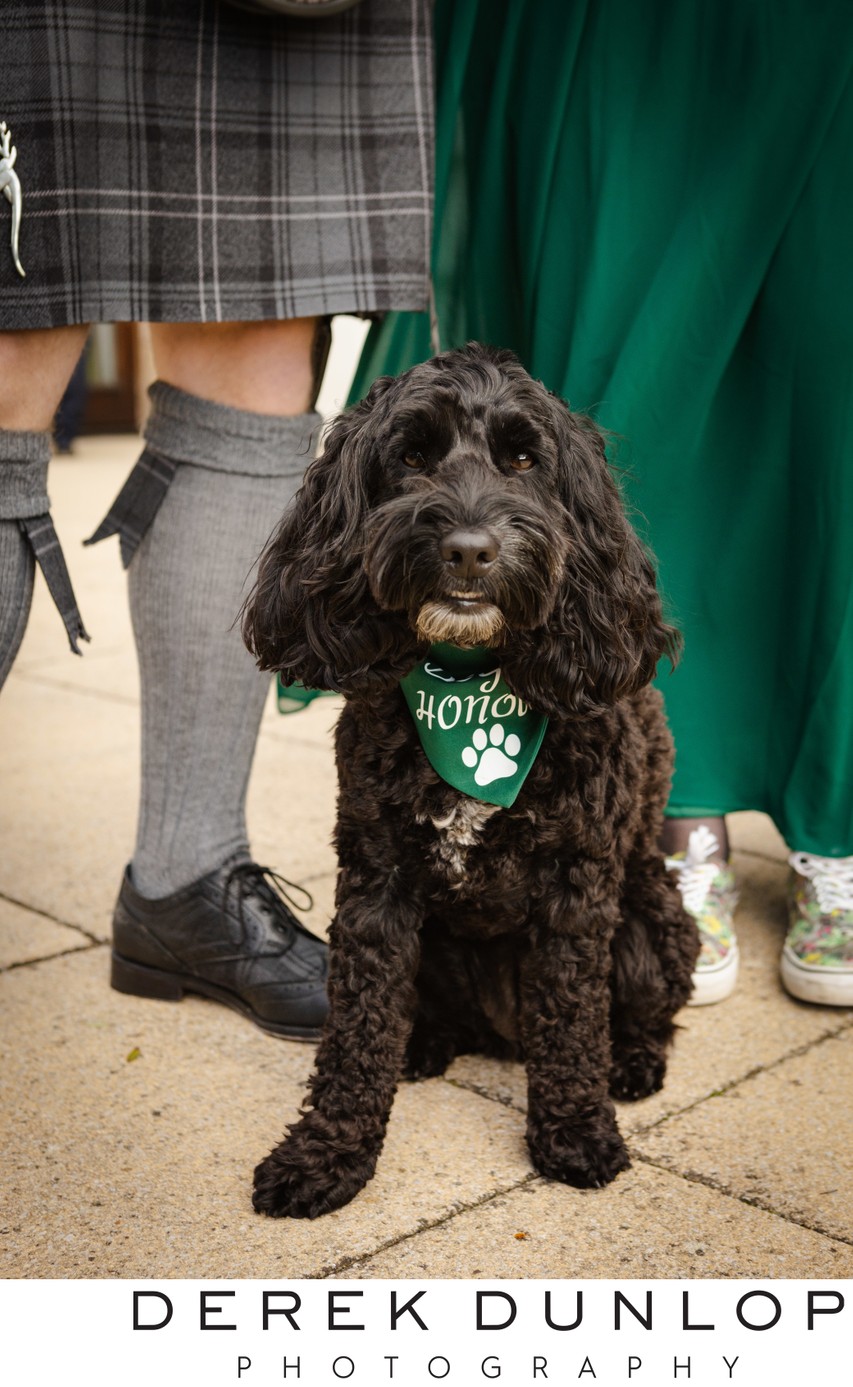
463 502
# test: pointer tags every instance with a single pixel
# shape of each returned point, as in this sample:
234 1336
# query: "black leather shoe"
229 936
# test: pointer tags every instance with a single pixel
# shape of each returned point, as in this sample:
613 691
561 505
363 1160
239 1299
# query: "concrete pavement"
131 1127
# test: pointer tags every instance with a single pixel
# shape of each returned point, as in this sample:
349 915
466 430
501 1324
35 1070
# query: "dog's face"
460 502
467 532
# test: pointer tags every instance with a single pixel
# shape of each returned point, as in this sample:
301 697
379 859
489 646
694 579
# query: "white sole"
827 987
712 985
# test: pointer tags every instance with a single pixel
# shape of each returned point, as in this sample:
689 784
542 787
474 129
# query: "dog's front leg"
565 1017
331 1153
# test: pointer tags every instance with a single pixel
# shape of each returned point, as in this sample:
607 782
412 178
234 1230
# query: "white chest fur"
460 830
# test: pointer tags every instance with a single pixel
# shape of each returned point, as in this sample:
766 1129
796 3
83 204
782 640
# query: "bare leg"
677 831
35 368
264 367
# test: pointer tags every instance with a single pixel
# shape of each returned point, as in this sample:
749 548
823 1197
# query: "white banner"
414 1334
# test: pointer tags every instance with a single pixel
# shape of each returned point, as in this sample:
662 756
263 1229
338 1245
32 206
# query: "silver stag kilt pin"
10 183
201 162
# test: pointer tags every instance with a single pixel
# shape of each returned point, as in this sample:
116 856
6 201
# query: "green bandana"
478 735
292 698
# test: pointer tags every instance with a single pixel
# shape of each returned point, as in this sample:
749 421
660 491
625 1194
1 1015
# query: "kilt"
188 161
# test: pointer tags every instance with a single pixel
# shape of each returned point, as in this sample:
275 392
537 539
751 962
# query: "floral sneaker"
708 892
817 960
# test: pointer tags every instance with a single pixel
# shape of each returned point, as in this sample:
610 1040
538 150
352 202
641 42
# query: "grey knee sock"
23 494
202 696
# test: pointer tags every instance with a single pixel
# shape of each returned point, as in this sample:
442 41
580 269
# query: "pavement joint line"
742 1078
508 1102
48 958
426 1226
505 1100
690 1177
45 915
696 1177
68 686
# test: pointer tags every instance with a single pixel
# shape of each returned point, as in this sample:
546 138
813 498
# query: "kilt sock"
17 568
27 535
233 473
23 485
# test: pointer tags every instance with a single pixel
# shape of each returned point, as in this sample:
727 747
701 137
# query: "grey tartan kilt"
183 160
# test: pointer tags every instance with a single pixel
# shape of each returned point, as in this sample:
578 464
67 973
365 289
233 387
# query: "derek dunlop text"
705 1333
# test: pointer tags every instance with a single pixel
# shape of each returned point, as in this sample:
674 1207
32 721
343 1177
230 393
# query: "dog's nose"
469 552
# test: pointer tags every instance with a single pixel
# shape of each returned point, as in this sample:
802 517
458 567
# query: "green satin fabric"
653 205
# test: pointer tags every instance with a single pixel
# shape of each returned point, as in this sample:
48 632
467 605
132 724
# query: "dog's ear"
607 632
310 614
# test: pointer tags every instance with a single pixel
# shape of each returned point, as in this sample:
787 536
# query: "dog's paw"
305 1177
427 1055
588 1153
636 1072
285 1192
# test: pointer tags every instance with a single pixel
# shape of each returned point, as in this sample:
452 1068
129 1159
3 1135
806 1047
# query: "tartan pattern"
51 560
136 504
184 160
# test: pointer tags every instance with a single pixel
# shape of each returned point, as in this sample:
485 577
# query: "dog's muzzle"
464 563
463 615
465 622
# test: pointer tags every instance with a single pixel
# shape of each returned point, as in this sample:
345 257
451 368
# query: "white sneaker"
708 892
817 957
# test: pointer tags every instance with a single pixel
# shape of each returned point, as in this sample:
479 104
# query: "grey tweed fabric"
27 536
202 696
185 160
23 493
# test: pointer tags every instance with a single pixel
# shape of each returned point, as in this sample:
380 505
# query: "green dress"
652 204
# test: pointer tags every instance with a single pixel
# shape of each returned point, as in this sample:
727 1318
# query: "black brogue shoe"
230 936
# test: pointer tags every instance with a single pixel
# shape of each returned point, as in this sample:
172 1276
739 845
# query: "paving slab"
69 796
754 833
133 1128
68 801
782 1139
25 936
646 1224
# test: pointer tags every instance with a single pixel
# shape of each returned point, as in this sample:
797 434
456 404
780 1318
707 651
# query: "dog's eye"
522 462
413 460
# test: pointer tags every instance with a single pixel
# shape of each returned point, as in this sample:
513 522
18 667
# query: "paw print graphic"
492 755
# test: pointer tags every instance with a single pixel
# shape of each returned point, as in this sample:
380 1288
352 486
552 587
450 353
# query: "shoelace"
832 878
694 872
273 892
